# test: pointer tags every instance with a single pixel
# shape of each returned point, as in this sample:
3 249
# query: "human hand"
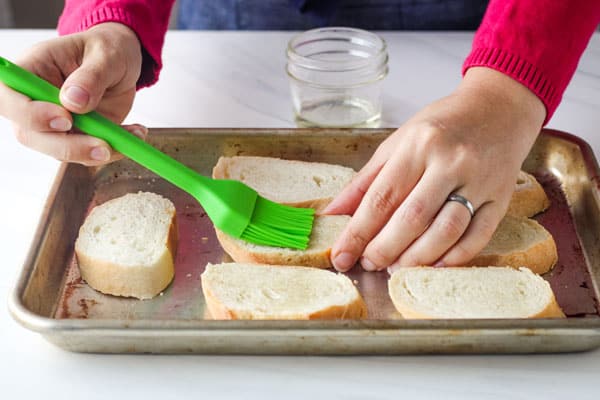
472 143
96 70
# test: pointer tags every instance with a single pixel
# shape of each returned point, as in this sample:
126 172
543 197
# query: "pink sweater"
536 42
148 18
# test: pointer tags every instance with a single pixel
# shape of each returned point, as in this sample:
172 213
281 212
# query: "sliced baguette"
126 246
519 242
325 231
256 291
298 183
473 292
311 184
529 197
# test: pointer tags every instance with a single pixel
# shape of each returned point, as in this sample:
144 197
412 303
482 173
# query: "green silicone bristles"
278 225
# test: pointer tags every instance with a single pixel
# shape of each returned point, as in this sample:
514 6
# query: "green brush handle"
98 126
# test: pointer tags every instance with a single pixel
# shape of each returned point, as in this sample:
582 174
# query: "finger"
346 202
68 147
33 115
85 86
476 237
409 221
138 130
395 180
349 198
445 231
76 147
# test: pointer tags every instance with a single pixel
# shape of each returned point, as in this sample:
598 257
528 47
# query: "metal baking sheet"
51 298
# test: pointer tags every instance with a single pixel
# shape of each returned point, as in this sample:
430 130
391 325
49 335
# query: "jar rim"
381 75
345 34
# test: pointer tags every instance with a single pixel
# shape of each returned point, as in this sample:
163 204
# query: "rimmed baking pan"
50 297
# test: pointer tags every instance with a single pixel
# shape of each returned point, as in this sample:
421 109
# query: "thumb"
85 87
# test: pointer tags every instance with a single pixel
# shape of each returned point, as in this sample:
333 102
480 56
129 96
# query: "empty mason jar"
336 76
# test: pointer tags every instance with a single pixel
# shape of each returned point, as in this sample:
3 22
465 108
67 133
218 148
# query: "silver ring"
460 199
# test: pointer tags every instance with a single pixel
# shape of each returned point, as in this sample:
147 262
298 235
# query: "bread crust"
142 282
221 171
529 198
552 309
318 205
315 259
539 258
357 309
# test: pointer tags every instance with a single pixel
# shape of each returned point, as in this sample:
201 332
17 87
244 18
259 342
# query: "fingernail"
100 154
139 132
367 264
77 96
344 261
393 269
60 124
439 264
328 208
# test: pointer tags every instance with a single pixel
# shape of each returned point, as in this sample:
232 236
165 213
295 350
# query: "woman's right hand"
96 70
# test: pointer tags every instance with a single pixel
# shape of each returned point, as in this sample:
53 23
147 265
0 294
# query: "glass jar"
336 77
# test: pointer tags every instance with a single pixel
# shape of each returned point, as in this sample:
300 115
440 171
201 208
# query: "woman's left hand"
471 143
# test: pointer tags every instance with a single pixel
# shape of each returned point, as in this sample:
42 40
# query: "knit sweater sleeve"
536 42
149 19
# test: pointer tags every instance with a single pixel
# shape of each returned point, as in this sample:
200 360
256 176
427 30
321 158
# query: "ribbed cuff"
151 65
520 70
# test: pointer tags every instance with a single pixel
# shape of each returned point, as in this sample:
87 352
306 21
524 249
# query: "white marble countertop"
238 80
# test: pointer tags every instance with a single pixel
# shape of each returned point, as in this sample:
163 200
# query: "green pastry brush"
233 207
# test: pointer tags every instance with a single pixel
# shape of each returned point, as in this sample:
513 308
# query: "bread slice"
529 197
473 292
126 246
325 231
257 291
519 242
312 184
298 183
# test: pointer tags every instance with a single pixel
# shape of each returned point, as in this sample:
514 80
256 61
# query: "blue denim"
307 14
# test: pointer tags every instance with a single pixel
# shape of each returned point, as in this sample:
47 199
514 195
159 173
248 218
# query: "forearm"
502 107
148 19
536 42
